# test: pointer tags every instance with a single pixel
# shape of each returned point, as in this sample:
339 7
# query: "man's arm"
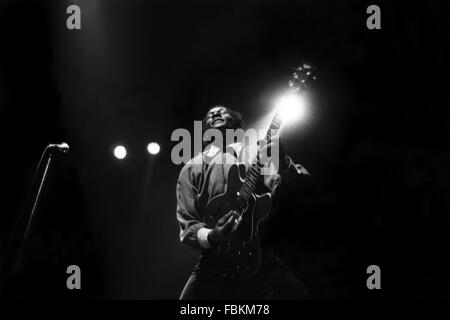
193 231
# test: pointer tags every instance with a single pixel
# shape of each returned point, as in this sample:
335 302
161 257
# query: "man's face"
218 117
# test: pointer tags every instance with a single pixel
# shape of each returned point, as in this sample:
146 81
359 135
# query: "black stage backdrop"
377 143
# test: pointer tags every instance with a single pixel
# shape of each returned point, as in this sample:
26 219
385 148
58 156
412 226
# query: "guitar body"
240 256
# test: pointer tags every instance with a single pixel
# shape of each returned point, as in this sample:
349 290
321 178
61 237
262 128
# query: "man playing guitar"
203 180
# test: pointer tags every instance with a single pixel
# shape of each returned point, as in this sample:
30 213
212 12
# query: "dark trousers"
273 281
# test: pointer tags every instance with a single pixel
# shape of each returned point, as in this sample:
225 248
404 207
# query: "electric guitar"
240 255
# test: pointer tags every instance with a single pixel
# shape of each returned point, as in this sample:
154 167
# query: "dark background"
376 142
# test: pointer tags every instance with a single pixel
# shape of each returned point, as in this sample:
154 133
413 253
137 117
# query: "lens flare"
153 148
120 152
291 108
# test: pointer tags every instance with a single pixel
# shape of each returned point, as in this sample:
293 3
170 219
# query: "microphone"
62 147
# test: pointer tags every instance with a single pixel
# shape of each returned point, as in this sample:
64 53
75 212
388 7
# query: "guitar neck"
254 171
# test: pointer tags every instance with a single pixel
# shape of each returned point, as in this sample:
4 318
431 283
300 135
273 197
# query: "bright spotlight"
153 148
291 107
120 152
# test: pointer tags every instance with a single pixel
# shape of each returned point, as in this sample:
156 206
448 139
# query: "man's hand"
224 227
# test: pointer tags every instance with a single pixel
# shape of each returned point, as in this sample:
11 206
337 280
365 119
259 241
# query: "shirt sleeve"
188 214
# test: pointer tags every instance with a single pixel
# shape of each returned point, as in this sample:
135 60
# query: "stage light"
291 107
153 148
120 152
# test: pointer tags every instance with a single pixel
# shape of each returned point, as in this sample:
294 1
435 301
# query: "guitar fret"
252 176
246 195
259 164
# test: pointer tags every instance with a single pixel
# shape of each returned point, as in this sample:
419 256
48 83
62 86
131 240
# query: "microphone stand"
36 199
16 245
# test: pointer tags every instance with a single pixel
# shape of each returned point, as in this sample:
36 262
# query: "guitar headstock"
287 105
302 77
